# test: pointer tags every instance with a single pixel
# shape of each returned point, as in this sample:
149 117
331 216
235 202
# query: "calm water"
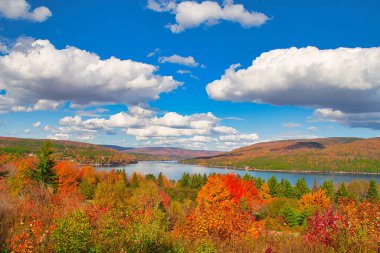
174 170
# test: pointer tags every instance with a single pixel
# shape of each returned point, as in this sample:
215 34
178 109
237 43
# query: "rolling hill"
81 152
165 153
312 155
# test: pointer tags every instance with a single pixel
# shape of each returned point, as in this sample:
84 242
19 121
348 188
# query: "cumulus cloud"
201 129
181 60
3 48
20 9
342 82
346 79
36 124
356 120
37 76
191 14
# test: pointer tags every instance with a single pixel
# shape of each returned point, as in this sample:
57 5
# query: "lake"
174 170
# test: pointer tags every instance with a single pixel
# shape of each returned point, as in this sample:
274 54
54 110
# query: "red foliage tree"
225 208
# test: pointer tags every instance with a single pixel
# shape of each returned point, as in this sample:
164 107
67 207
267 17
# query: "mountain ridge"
339 154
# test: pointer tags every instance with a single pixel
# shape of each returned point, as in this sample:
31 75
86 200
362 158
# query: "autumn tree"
68 177
88 183
265 191
317 199
225 208
112 191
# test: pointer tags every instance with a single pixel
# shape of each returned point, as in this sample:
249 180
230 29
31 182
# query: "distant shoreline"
290 171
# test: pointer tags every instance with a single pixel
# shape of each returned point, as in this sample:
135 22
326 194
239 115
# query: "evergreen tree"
204 179
134 181
328 187
150 177
44 171
342 192
272 183
372 193
196 181
160 180
185 180
248 177
301 187
258 182
286 188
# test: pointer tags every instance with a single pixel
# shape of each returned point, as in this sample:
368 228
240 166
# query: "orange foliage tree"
68 177
225 208
316 199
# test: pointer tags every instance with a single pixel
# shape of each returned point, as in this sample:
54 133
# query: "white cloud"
344 82
224 130
37 76
291 125
40 105
59 136
161 5
86 137
312 128
359 120
346 79
328 114
190 131
27 131
20 9
3 48
191 14
153 53
183 72
36 124
177 59
239 137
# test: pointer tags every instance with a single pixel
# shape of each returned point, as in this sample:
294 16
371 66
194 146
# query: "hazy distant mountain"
166 152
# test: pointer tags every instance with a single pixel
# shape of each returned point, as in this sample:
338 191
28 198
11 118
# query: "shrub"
289 216
72 233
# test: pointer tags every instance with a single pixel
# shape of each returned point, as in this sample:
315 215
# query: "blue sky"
312 90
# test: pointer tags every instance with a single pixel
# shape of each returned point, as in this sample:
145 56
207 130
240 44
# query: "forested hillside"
84 153
318 155
61 206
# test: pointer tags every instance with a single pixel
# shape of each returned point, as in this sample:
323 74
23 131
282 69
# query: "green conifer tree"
342 192
372 193
44 171
273 186
160 180
328 187
301 187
